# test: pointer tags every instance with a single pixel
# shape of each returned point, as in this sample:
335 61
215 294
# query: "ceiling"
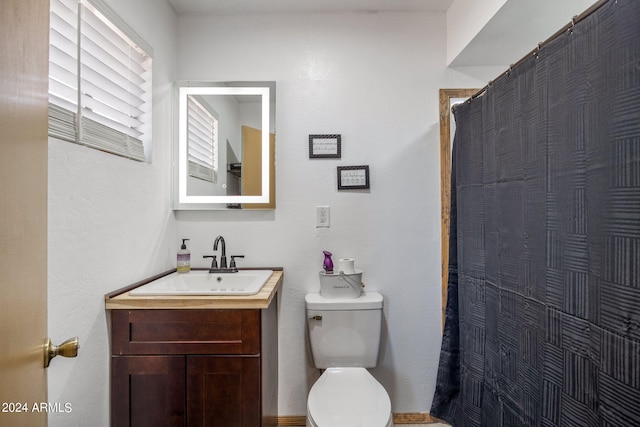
239 7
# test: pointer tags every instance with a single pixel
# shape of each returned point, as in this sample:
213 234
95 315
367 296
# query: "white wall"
110 224
374 79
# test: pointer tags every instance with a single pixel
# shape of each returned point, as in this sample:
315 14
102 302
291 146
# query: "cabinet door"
223 391
147 391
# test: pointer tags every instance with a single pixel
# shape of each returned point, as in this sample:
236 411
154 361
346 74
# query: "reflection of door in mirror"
252 167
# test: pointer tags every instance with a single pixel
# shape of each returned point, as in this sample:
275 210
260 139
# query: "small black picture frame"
325 146
353 177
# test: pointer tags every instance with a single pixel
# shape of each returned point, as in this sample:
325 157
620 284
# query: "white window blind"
202 137
99 80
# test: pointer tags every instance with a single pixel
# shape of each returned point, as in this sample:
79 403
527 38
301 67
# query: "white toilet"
344 334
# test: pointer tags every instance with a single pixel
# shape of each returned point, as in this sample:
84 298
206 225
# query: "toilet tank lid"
366 301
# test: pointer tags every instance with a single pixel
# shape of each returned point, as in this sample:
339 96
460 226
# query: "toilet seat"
348 397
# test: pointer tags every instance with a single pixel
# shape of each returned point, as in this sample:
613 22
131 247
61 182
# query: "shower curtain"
543 317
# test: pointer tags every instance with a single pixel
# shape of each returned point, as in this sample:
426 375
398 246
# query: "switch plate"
323 217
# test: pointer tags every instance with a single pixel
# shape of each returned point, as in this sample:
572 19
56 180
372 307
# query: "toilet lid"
348 397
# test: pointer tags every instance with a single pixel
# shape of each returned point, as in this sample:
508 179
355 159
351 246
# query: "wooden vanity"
194 360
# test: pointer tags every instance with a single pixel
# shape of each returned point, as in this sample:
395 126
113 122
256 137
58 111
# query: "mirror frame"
183 201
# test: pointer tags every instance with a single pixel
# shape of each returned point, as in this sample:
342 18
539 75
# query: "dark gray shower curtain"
543 317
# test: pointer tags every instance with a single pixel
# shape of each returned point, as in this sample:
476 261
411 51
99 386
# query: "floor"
443 424
423 425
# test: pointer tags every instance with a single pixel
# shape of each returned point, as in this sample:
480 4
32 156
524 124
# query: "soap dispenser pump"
184 258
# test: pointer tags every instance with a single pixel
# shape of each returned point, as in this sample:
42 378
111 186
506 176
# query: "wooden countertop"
122 300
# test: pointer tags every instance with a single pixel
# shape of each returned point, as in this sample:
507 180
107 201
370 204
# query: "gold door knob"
69 348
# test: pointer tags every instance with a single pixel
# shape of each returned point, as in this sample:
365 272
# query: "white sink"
244 282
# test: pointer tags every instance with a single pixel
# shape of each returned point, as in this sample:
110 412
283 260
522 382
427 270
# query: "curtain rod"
535 51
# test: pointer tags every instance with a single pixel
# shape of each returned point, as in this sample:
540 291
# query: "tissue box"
340 285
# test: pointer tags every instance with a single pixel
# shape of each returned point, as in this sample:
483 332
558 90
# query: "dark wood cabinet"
148 391
192 367
223 391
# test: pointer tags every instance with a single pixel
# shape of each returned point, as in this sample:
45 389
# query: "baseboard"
293 420
415 418
405 418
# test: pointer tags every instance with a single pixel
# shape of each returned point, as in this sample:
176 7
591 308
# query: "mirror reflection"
226 146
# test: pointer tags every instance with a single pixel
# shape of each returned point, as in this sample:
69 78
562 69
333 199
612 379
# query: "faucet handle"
214 261
233 260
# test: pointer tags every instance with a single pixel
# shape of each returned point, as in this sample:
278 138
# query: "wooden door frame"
446 95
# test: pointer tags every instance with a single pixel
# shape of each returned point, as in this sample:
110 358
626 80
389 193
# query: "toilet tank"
344 332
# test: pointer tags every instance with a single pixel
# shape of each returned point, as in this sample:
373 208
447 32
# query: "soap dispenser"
327 265
184 258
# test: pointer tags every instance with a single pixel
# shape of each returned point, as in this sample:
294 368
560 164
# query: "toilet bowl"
348 397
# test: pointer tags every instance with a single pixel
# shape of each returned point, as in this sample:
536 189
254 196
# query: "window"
202 137
99 80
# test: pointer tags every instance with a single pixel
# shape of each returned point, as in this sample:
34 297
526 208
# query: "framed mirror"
224 155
